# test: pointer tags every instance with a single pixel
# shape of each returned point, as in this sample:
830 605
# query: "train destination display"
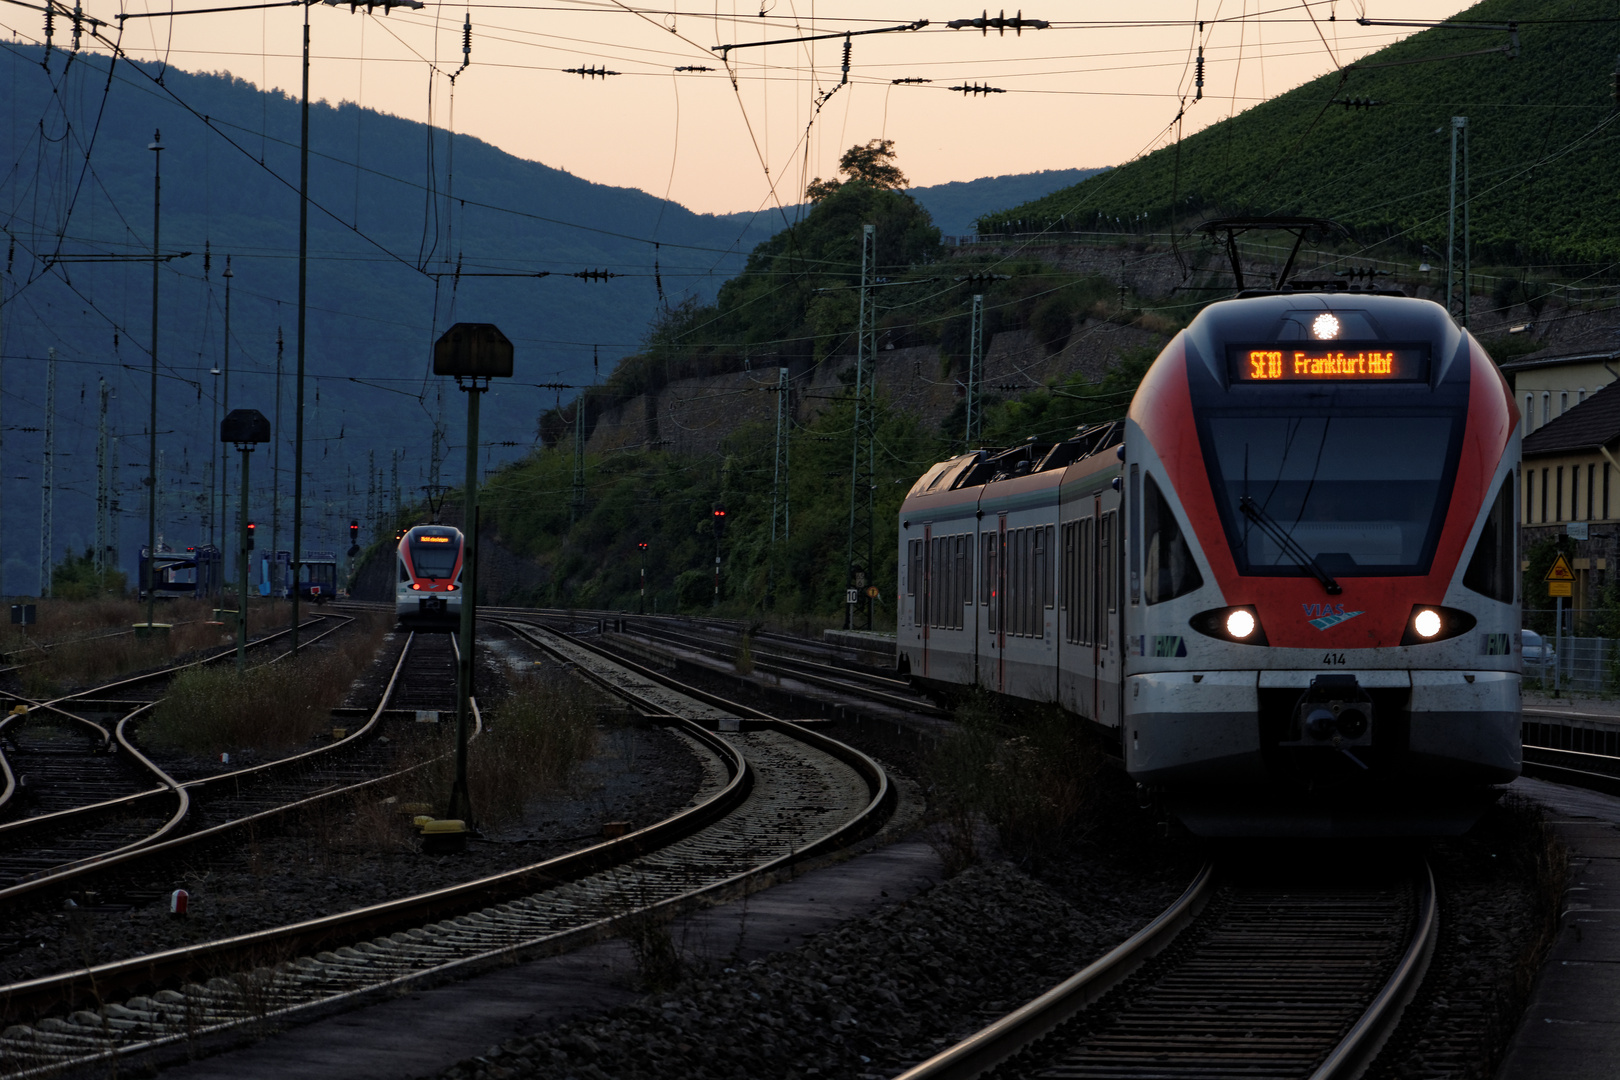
1342 362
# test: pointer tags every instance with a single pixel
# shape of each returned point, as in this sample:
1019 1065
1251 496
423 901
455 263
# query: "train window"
988 568
1171 571
1105 563
404 574
1493 571
1086 586
1016 565
434 561
964 577
911 567
1048 571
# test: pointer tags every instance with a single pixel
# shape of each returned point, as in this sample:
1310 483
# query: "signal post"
246 428
473 354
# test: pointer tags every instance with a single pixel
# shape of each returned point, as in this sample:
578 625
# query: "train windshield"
1362 495
434 560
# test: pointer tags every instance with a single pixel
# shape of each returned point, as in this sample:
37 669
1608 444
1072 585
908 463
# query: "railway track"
1245 975
45 854
779 795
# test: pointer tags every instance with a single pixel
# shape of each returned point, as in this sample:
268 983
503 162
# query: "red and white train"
428 589
1284 587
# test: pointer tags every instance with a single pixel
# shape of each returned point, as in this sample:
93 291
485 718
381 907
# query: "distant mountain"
386 243
383 282
956 206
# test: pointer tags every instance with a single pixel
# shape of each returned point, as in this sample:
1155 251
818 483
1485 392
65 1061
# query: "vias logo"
1323 616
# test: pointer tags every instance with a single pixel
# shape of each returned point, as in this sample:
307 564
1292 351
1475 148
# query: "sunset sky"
1099 87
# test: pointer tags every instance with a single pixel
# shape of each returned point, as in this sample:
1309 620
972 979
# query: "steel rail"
42 822
883 795
991 1045
53 705
90 987
162 842
1000 1041
1576 768
827 676
87 1037
1358 1048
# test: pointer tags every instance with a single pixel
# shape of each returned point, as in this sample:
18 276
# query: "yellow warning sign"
1560 588
1560 571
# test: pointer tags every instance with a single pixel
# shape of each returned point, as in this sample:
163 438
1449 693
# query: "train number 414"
1333 658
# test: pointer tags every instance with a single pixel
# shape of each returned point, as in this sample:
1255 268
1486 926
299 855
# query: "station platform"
1571 1029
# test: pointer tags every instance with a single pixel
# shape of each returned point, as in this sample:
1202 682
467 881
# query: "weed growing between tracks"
534 739
279 706
1028 775
82 642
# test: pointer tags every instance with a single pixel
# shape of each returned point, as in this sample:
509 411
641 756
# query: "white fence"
1581 663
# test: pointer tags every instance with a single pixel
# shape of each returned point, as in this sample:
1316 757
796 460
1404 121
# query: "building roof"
1513 367
1593 423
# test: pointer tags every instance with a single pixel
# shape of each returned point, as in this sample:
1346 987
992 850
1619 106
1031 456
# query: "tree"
75 578
872 164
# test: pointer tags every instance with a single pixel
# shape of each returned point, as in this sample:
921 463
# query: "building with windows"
1569 484
1547 387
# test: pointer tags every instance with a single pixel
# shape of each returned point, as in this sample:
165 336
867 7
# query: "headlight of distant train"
1239 624
1429 622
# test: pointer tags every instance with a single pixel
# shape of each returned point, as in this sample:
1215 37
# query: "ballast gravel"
867 999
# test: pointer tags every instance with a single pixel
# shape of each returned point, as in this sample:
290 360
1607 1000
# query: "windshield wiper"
1290 547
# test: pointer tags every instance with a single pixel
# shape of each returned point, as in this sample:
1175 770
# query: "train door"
926 590
1110 642
998 601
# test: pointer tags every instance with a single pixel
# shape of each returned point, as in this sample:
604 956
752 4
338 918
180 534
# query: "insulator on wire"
694 67
208 258
78 24
845 79
593 72
466 40
594 275
50 32
978 88
909 82
1198 76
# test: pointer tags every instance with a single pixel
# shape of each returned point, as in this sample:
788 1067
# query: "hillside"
1543 132
382 282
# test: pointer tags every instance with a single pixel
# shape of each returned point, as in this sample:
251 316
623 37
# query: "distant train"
1284 588
428 590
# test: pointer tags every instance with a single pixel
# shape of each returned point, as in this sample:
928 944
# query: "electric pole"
975 408
577 507
1459 125
47 477
226 565
103 500
156 146
779 481
275 475
861 472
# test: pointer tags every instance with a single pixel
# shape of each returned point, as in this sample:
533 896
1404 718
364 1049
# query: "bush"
1028 777
537 736
274 707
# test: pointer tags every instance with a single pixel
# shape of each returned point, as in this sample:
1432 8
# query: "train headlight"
1240 624
414 585
1430 622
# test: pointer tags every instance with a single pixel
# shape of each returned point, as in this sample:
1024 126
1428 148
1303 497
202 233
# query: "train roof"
987 466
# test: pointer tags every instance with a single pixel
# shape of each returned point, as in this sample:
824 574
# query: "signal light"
354 532
642 545
250 531
719 520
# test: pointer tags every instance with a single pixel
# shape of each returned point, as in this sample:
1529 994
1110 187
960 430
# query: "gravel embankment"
865 1000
